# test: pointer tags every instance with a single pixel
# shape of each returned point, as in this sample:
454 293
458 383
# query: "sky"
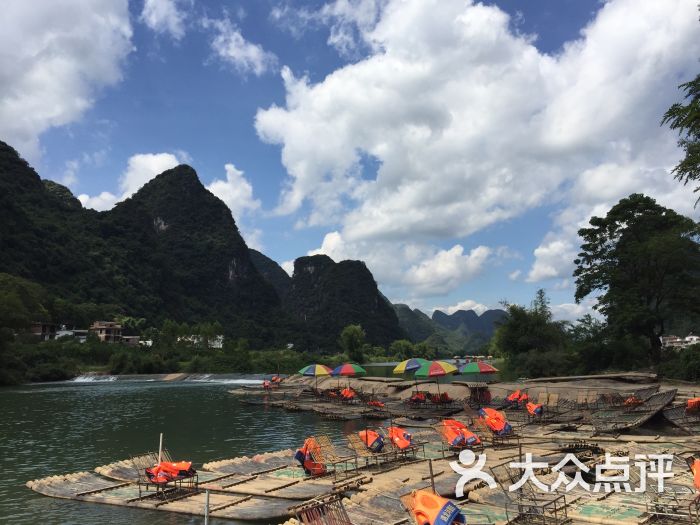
454 146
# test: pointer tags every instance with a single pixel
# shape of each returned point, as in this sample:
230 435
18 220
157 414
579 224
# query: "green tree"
352 340
532 343
402 349
685 118
643 260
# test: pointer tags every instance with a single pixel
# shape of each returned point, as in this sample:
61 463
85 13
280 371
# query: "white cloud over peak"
165 16
140 169
446 270
232 48
468 304
236 191
469 125
55 59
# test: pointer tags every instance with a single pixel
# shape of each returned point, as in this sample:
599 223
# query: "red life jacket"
693 405
523 397
695 469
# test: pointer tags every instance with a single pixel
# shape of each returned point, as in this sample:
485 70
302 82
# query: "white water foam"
93 379
228 381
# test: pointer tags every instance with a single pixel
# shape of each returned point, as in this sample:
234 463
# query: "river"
49 429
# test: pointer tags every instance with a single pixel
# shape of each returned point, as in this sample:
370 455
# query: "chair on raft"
403 442
323 510
144 462
328 455
530 506
497 439
357 444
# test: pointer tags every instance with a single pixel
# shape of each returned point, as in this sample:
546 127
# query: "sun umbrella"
348 370
478 367
436 369
315 370
409 365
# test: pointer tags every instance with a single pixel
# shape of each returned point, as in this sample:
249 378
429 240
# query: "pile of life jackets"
400 438
375 403
428 508
347 394
372 440
418 397
693 405
276 379
517 398
496 421
534 409
267 385
166 471
457 434
442 398
305 456
633 401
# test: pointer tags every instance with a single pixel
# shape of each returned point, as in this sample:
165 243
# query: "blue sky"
456 147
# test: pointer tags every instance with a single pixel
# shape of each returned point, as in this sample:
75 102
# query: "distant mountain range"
462 332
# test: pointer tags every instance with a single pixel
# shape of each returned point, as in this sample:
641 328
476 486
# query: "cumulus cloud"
140 169
446 270
56 58
236 191
572 311
469 125
468 304
165 16
232 48
347 21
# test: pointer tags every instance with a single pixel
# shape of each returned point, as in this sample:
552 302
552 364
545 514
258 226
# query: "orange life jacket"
534 409
372 440
347 393
693 405
400 438
167 471
523 397
495 420
375 403
514 396
430 509
305 456
457 433
695 469
418 397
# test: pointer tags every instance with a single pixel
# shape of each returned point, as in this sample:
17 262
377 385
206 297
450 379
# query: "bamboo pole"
160 449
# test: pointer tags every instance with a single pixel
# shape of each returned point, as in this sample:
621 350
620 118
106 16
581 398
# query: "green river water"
49 429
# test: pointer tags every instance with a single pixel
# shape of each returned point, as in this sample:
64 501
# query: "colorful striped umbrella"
436 369
315 370
409 365
348 369
478 367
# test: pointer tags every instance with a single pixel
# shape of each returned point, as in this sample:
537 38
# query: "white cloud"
573 311
56 56
236 191
347 21
165 16
231 47
140 169
103 201
468 304
513 276
446 270
470 125
288 266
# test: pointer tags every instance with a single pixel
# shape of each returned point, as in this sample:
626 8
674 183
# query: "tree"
686 119
644 261
402 349
352 339
531 342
